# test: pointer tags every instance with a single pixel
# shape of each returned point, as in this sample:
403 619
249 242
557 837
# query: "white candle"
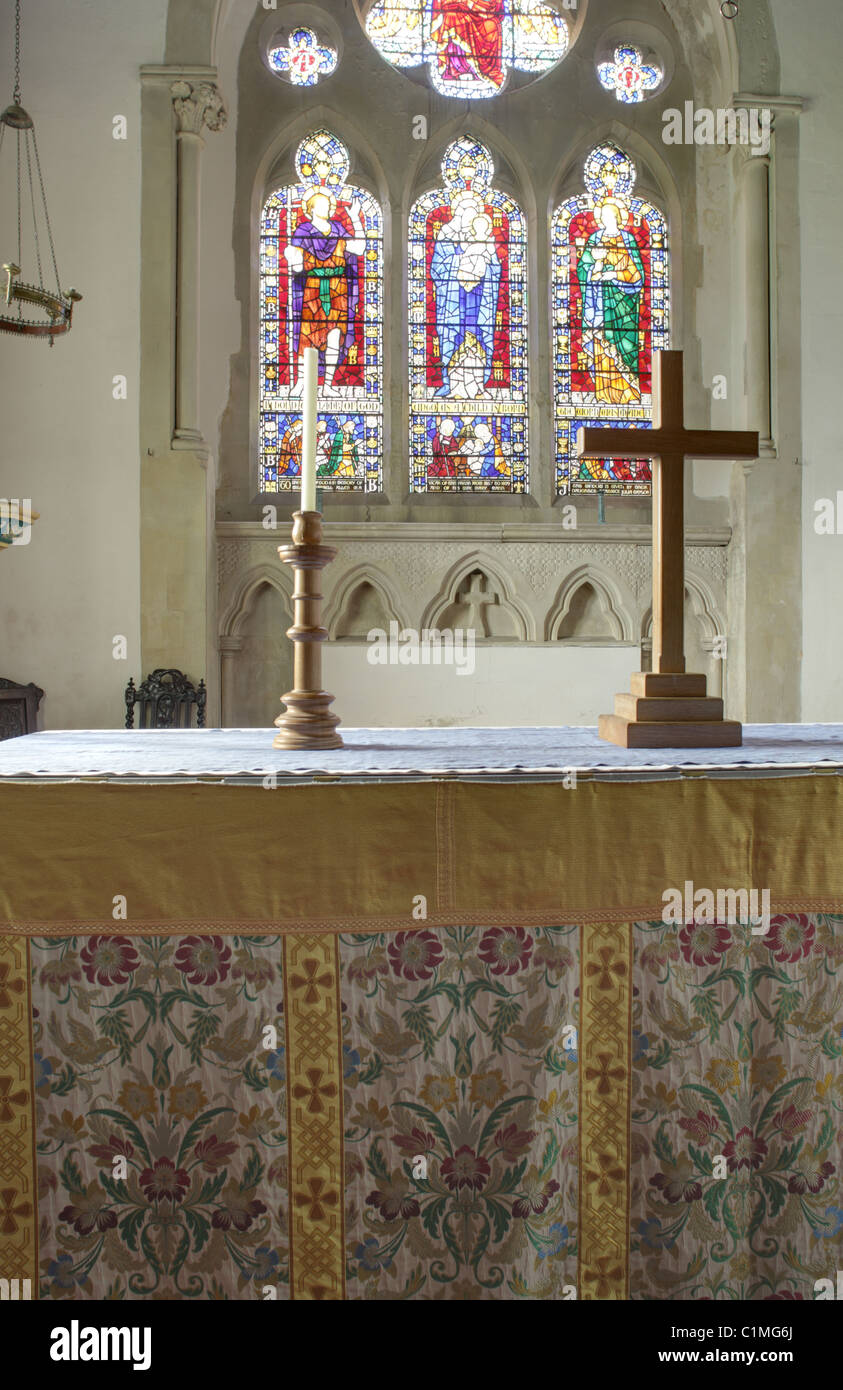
308 442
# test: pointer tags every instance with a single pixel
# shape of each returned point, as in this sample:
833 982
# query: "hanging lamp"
53 307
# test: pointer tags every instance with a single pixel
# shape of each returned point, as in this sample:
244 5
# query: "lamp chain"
17 53
55 306
20 262
46 213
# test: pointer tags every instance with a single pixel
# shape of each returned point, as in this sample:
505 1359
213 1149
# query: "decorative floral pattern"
737 1113
161 1117
162 1125
460 1113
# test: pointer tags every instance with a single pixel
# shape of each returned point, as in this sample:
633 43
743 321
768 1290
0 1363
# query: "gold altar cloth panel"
224 858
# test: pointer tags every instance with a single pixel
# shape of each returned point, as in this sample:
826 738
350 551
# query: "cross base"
669 711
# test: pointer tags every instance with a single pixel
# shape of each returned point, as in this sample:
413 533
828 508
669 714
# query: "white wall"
65 442
811 45
511 685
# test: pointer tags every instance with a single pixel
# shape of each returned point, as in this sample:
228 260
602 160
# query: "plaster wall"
65 442
810 44
511 685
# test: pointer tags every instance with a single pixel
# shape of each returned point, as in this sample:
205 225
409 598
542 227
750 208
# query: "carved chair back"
165 700
18 708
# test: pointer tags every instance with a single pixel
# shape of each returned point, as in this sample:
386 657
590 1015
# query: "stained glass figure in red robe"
469 37
470 46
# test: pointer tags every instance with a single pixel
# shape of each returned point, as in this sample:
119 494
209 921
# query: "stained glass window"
629 77
469 45
468 331
321 285
304 60
611 305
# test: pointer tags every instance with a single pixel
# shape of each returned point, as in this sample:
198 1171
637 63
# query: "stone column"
765 574
229 647
195 106
755 179
178 574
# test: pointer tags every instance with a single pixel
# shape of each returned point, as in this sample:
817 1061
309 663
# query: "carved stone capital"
197 105
747 162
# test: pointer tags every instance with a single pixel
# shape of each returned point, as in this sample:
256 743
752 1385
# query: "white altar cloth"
246 755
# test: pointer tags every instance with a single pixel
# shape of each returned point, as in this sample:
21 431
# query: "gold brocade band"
605 1054
217 858
18 1207
446 849
314 1117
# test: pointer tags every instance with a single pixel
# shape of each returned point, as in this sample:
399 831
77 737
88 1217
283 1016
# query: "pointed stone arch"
245 592
439 612
275 164
192 27
701 644
424 173
256 658
656 177
341 606
611 603
704 609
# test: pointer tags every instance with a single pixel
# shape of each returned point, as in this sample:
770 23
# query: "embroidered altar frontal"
442 1045
460 1112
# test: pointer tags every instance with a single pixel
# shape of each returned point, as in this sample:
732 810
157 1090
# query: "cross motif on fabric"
315 1089
8 1098
312 982
11 1209
17 986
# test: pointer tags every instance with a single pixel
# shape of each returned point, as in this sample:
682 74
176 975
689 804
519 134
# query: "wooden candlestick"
307 722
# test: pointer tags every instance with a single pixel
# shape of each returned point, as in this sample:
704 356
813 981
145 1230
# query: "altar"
412 1018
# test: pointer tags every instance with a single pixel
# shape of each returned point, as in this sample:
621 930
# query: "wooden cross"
668 443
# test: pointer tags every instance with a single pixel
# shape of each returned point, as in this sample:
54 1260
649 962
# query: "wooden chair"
165 701
18 708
